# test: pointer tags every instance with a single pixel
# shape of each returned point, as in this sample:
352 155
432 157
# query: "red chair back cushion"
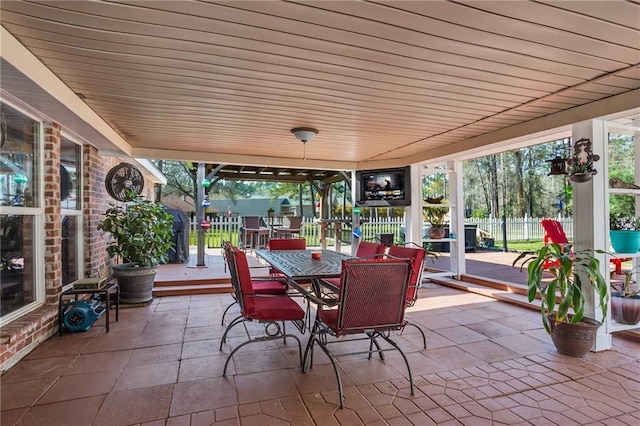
372 294
369 249
244 278
287 244
416 255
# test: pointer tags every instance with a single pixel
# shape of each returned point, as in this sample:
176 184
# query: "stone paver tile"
438 415
518 385
248 409
356 402
368 415
206 418
386 388
613 422
347 417
503 388
506 416
622 406
176 421
475 421
388 411
559 418
490 391
457 395
527 412
405 406
592 413
226 413
607 410
324 420
424 403
477 410
257 420
136 406
420 419
571 401
443 400
380 399
368 389
76 411
396 421
628 419
457 411
271 407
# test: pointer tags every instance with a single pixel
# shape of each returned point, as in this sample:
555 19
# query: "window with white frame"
21 214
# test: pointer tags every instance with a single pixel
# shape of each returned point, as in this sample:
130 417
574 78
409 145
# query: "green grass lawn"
521 246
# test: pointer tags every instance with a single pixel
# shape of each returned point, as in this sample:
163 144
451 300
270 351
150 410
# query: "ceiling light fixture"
304 135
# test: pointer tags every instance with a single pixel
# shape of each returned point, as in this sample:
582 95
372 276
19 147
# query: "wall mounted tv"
383 187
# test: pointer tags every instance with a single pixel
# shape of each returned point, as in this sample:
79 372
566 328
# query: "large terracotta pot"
436 233
625 310
573 339
136 282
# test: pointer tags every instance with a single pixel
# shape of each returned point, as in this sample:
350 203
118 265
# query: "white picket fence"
518 229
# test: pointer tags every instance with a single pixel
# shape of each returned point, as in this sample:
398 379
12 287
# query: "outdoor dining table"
298 266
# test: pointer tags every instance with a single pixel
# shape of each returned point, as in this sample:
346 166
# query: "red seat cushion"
268 287
280 308
329 317
333 281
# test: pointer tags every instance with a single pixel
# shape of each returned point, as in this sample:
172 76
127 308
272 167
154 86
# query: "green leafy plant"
620 222
574 273
141 231
624 288
436 216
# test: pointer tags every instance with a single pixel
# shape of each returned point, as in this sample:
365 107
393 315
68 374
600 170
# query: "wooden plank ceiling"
381 81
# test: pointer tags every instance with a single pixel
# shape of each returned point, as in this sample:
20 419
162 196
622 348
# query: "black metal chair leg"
225 312
424 339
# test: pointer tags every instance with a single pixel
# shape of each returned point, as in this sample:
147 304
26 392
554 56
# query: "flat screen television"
383 187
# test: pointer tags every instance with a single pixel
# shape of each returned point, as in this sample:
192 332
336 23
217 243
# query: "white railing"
518 229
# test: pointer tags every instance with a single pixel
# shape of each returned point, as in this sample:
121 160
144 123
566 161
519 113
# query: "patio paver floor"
486 362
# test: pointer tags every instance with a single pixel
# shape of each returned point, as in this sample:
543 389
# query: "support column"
457 218
590 213
200 214
413 213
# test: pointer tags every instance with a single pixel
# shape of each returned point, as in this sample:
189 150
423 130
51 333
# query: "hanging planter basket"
582 177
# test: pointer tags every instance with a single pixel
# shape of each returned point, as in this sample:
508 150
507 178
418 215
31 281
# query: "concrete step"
507 292
182 290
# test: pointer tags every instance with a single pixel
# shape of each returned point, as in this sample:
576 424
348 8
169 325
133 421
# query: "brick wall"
52 214
21 336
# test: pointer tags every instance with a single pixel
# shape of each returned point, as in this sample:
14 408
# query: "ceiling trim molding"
26 63
247 160
597 109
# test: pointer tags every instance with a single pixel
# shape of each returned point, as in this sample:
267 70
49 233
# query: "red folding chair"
271 310
372 302
417 256
260 286
554 233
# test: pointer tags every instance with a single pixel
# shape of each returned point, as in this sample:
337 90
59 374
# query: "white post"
457 218
590 212
413 214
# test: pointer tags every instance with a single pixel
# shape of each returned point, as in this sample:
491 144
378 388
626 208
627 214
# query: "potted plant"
142 234
624 233
563 296
625 302
436 217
